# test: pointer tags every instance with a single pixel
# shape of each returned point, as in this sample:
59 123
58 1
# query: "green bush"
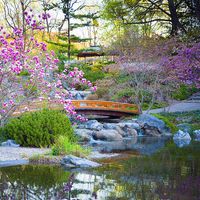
101 91
39 129
184 92
64 146
91 72
168 123
127 92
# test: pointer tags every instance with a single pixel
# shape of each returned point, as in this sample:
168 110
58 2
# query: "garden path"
192 104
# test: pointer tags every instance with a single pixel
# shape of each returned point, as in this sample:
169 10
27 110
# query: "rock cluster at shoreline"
146 125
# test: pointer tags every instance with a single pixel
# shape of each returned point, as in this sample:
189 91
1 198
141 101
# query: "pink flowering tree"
20 55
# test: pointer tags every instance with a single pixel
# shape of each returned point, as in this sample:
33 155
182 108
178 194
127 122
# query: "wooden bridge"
105 108
88 107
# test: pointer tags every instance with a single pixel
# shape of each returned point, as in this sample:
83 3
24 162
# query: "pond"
171 173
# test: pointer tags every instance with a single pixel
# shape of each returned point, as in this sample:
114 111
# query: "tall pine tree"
72 19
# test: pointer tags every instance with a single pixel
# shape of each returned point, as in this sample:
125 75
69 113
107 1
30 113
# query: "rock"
133 133
98 155
73 161
181 135
107 135
94 125
197 135
182 138
184 127
182 143
151 131
9 143
126 131
120 131
109 126
84 134
78 96
152 125
130 128
132 125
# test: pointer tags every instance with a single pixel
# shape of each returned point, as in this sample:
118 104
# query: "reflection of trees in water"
32 182
46 182
170 174
17 190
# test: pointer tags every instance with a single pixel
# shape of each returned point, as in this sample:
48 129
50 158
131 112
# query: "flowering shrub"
185 64
23 53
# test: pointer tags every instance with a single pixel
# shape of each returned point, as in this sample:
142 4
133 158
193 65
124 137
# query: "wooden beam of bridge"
88 107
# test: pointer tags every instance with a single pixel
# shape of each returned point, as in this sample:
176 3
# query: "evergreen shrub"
39 129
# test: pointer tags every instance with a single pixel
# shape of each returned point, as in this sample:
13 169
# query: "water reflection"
171 173
144 145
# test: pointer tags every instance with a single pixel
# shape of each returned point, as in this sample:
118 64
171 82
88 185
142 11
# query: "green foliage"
122 78
157 104
64 146
168 123
92 72
184 92
192 118
101 91
2 135
24 73
94 75
39 129
124 93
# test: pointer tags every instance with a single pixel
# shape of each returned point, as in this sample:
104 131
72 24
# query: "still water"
171 173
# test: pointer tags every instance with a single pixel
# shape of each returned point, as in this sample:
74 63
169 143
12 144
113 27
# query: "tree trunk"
23 22
69 38
197 9
176 25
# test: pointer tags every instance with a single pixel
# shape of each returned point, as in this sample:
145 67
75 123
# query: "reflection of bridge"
88 107
105 108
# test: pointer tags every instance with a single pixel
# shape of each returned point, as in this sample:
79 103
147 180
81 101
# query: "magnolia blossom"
19 55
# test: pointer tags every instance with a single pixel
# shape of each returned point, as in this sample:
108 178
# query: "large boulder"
83 134
126 131
152 125
73 162
151 131
94 125
120 131
107 135
197 135
182 143
181 135
9 143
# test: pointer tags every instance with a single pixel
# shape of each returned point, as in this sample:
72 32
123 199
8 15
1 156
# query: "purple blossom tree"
185 64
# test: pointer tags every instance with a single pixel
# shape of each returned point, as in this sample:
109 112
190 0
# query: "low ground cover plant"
64 146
